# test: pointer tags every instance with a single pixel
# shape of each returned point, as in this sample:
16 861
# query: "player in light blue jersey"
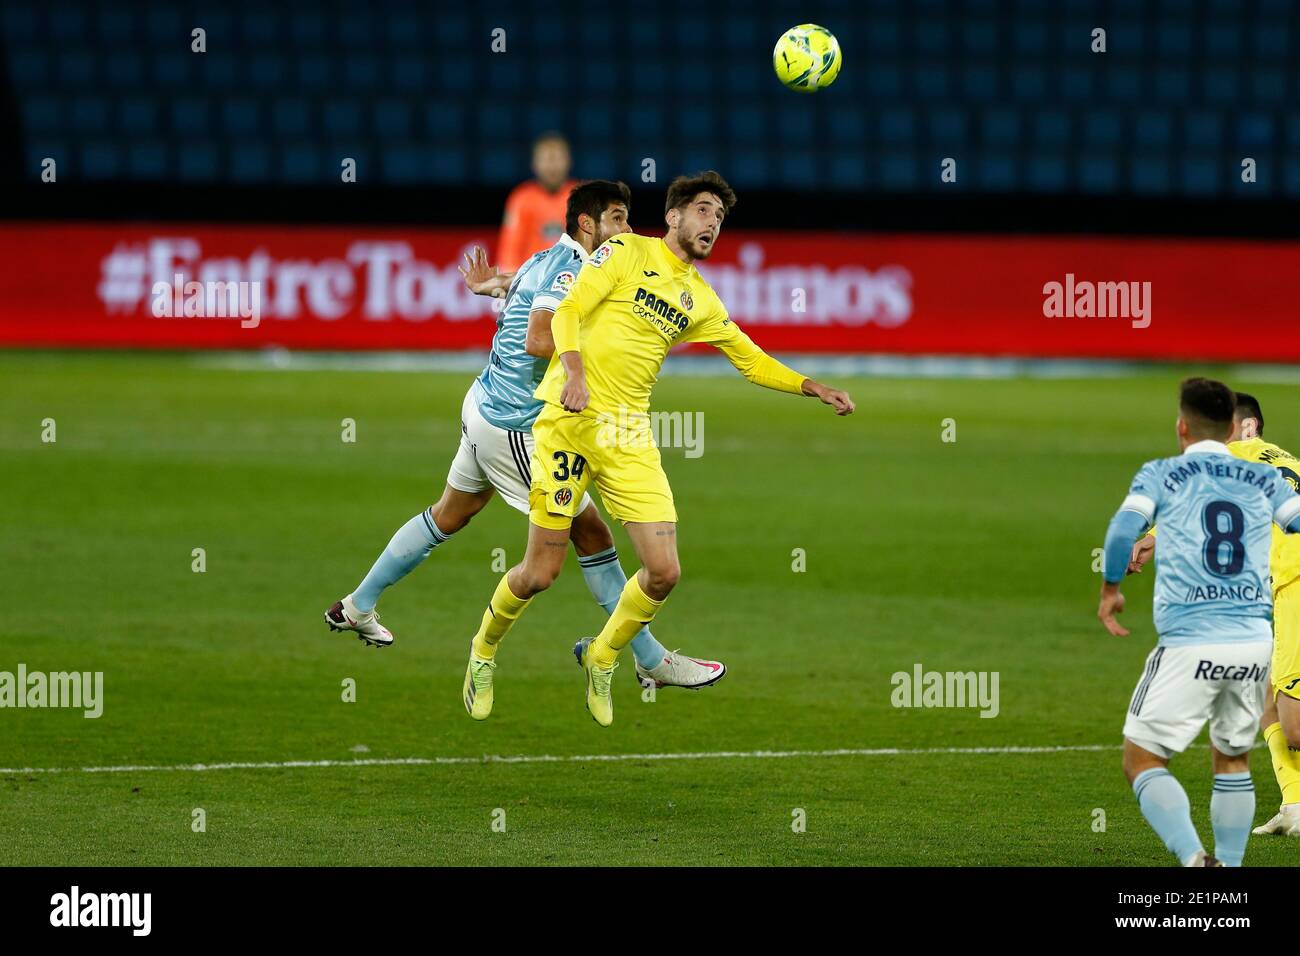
496 442
1213 613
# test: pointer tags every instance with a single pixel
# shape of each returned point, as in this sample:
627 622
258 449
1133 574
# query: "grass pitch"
973 555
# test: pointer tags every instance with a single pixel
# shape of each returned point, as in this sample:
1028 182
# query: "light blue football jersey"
504 391
1214 513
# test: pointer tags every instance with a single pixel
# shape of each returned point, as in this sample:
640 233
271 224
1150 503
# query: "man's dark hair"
685 188
592 198
1248 407
1207 407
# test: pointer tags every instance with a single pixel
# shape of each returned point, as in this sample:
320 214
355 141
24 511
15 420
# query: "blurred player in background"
1281 720
635 299
496 442
1212 613
535 210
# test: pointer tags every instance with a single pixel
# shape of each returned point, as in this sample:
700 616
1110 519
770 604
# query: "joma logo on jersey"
661 308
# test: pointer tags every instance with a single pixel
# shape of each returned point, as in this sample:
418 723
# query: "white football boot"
677 671
1285 823
344 616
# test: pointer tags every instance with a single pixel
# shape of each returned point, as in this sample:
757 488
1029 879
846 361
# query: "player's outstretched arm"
761 369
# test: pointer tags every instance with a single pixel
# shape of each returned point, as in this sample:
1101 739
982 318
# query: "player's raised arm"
761 369
602 272
1135 516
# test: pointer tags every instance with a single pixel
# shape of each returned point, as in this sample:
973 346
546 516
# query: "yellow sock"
1286 763
499 617
635 610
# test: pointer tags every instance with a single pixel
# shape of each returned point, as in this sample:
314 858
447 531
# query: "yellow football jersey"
1284 559
633 301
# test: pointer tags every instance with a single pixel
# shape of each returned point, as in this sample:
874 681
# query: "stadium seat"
933 81
1153 128
1099 174
1151 175
250 163
1203 130
88 115
138 115
899 172
43 114
1202 175
124 71
409 74
1051 128
898 127
392 120
147 160
998 173
1048 172
198 162
101 160
1103 128
290 117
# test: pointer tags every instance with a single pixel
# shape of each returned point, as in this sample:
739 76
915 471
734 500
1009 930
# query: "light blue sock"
605 579
413 542
1232 811
1164 804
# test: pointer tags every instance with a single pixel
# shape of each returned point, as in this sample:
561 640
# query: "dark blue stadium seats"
1009 87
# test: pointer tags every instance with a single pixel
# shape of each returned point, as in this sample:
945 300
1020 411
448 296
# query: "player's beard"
694 248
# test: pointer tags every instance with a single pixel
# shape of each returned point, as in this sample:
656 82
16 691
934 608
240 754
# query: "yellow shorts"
1286 640
570 451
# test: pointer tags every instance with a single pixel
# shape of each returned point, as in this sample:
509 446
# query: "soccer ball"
807 58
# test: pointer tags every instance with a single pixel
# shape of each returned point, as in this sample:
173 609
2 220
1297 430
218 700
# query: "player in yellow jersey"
1281 720
635 299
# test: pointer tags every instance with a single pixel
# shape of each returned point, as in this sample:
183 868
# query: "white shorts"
492 457
1183 687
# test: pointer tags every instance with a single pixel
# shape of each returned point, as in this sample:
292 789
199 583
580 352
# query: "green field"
973 555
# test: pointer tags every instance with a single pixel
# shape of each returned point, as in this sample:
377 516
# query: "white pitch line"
573 758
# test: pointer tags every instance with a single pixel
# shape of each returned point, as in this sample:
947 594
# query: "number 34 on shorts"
569 454
559 480
569 467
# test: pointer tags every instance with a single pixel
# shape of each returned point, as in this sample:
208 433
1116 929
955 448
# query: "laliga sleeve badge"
562 282
600 255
